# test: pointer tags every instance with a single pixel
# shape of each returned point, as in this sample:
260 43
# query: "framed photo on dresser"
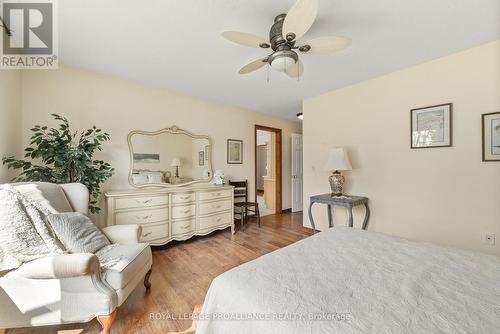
491 136
431 126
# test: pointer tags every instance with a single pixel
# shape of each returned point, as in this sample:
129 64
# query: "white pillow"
77 232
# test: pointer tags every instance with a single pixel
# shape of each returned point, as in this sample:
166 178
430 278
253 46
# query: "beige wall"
10 119
443 195
119 106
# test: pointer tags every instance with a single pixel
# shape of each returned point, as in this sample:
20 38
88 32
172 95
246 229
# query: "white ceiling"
176 44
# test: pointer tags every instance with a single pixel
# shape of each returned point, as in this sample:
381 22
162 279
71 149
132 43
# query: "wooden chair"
241 201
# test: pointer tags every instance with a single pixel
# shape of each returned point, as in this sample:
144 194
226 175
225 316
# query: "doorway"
268 181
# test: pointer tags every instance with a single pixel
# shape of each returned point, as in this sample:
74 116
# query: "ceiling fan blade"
300 18
328 44
253 66
245 39
296 70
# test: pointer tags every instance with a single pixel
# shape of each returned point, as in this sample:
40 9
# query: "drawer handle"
144 217
186 226
216 194
186 211
144 202
146 234
219 219
216 206
185 197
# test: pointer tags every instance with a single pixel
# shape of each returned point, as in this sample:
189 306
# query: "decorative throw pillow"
77 232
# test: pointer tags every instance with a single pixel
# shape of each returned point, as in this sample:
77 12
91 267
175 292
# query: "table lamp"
337 161
176 162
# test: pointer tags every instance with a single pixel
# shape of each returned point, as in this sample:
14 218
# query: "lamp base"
336 183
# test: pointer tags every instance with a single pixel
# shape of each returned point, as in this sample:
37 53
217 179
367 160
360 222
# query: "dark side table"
346 201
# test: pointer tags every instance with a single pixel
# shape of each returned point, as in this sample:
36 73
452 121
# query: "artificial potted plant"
65 157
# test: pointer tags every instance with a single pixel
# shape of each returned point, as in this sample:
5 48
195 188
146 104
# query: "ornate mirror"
171 157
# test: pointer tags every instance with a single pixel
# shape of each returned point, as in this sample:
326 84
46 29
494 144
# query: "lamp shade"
337 160
176 162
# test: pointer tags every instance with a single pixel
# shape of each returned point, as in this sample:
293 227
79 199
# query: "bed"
350 281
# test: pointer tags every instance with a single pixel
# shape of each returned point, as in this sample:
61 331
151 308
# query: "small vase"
336 183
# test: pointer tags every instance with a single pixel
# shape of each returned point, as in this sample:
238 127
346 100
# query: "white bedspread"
363 282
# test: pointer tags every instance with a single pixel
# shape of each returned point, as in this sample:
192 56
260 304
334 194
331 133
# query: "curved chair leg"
106 322
147 283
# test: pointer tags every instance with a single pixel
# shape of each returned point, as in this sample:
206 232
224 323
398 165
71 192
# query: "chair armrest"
60 266
123 234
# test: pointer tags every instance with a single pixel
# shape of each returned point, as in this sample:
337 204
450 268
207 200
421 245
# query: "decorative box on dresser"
172 213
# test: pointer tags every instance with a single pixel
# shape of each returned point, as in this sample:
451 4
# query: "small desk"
347 202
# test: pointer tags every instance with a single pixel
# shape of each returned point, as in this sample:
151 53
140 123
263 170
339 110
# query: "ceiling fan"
283 40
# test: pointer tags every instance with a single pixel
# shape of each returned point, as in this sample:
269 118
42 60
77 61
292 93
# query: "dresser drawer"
208 195
153 232
140 217
183 211
183 227
183 198
216 220
140 202
214 207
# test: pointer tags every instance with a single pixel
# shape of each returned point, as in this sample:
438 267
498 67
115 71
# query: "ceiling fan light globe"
283 59
280 64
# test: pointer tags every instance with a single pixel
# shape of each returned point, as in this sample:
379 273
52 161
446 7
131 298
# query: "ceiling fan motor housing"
276 34
283 55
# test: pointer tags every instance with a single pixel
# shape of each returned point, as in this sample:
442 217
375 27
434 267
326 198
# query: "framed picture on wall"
201 158
431 126
234 151
491 136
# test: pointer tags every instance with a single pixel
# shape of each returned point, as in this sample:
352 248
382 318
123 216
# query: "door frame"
293 135
278 164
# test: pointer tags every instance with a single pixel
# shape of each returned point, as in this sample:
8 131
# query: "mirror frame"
175 130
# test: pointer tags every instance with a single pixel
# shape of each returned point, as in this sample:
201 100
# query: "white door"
297 182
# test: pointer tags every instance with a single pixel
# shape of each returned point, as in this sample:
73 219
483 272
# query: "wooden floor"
183 271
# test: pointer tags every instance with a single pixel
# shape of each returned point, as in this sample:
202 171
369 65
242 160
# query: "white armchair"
72 288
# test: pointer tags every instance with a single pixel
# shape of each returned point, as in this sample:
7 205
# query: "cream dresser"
172 213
